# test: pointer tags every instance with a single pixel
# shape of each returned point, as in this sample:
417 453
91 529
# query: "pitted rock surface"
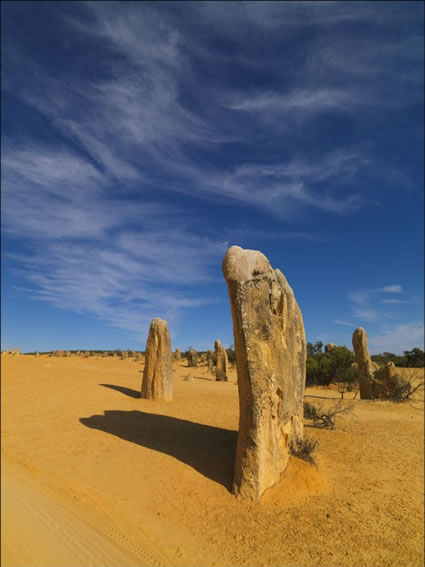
271 365
157 381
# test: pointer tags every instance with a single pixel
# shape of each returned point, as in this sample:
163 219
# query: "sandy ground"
94 476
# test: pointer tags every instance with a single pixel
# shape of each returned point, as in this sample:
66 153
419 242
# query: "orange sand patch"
94 475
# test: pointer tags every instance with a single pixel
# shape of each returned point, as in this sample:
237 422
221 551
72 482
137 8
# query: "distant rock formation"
222 363
271 364
365 366
329 347
192 358
177 355
157 381
373 378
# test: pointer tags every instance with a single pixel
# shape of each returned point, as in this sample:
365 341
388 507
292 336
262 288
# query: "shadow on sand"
209 450
126 391
322 397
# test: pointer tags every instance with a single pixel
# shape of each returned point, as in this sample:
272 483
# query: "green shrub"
324 368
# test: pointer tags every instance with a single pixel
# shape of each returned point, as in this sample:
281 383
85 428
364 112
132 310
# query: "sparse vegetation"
303 448
347 381
325 417
400 388
231 355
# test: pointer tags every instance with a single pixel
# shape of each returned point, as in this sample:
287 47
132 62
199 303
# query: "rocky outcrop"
222 363
157 381
192 357
329 347
365 366
374 379
177 356
271 365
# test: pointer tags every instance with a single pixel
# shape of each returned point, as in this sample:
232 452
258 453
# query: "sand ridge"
155 477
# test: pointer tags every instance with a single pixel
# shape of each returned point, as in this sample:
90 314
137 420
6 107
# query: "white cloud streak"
391 289
305 102
339 322
152 120
125 285
363 298
398 338
139 129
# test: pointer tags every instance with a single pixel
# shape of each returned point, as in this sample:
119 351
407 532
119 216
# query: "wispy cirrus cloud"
392 337
396 288
345 323
365 301
82 255
397 338
55 193
124 284
145 111
300 103
158 113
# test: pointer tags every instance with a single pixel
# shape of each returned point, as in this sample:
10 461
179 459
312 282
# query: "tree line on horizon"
337 365
322 367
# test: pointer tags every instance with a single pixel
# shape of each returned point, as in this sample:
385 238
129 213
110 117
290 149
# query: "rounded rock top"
159 323
360 331
243 265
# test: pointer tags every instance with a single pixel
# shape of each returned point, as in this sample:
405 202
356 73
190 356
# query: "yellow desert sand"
94 475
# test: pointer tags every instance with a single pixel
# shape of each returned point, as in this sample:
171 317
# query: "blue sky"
142 139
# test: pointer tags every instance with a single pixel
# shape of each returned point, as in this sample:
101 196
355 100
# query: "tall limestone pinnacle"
374 378
365 366
271 364
157 381
222 363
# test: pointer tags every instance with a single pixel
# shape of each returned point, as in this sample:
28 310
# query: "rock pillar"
365 366
222 363
271 364
192 357
157 381
178 355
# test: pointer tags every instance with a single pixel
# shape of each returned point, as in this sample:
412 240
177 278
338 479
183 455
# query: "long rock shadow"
126 391
209 450
322 397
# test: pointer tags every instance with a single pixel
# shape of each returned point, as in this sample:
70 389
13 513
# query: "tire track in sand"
39 523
